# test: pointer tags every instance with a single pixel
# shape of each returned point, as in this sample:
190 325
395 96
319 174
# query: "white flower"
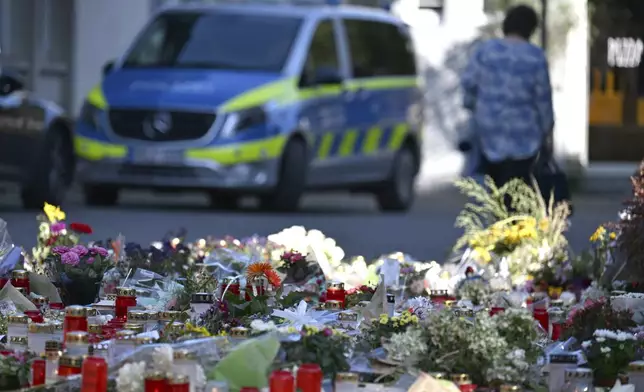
586 344
601 339
262 326
162 358
130 377
604 350
300 316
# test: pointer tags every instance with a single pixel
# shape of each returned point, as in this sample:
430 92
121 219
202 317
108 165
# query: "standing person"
507 88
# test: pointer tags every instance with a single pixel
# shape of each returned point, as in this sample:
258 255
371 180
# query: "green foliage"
325 347
582 323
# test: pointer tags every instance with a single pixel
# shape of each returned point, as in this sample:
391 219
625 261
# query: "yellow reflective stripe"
245 152
282 91
95 150
325 145
383 83
348 142
96 97
397 136
372 141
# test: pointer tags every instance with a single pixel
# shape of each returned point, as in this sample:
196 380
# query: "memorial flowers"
608 353
384 327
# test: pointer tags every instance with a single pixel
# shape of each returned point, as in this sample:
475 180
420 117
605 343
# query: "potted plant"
608 354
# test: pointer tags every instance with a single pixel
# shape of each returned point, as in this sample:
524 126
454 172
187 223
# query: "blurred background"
59 48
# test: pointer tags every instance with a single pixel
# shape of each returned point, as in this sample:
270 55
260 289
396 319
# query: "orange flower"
257 270
273 278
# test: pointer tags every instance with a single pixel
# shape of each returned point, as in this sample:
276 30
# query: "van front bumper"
187 175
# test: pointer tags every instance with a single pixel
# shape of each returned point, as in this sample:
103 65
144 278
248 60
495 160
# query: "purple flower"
80 250
60 249
57 227
98 250
70 258
327 332
90 260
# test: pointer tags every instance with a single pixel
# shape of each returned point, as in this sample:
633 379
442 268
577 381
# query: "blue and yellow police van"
263 100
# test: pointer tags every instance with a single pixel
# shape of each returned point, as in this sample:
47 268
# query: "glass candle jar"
69 365
3 282
17 325
138 317
174 330
125 299
77 343
18 343
101 350
230 285
35 316
438 296
346 382
309 377
283 381
155 381
391 305
38 372
39 334
556 320
20 280
123 344
178 383
53 351
333 305
138 328
439 376
56 306
94 375
578 380
239 333
92 315
510 388
95 332
145 340
348 320
58 331
557 366
184 363
463 382
256 287
75 319
496 310
199 304
541 315
335 292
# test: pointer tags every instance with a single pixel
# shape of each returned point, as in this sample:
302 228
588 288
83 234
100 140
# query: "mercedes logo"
160 123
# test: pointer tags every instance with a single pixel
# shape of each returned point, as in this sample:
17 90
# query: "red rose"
81 228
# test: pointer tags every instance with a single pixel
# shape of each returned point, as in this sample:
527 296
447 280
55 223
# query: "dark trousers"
504 171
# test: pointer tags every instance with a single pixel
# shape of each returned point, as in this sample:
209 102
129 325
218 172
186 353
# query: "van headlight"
90 115
243 119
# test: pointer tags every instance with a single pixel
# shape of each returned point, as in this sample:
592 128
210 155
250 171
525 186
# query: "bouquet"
15 371
77 271
295 266
326 347
608 353
381 329
595 314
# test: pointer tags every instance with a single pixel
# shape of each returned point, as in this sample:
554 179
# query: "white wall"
104 30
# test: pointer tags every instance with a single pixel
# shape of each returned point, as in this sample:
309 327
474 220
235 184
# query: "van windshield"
222 40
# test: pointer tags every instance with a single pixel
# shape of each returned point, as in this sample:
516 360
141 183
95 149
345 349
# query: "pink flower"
98 250
80 250
57 227
60 249
70 258
327 332
90 260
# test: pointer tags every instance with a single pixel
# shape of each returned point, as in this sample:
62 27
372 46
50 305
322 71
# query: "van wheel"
397 193
292 180
99 195
53 173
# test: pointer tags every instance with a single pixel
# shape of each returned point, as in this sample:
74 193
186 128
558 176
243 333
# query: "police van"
262 100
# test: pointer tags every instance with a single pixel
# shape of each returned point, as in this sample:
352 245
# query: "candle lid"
137 315
138 328
578 373
52 345
152 315
76 311
18 319
95 328
335 285
556 303
91 312
347 377
41 328
461 379
182 354
333 304
169 315
19 340
39 300
438 375
178 379
141 340
125 292
77 337
75 361
155 375
348 316
19 274
202 298
437 293
239 332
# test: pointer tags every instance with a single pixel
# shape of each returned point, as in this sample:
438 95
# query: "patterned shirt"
507 87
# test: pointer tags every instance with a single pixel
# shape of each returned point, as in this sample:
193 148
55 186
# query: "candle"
144 340
17 325
541 315
94 375
138 328
282 381
179 383
40 301
18 343
556 318
38 335
3 282
464 382
139 317
38 372
52 355
77 343
155 382
56 306
438 296
391 305
185 364
69 365
75 319
125 298
35 316
20 280
335 292
169 316
95 333
557 365
309 377
123 344
199 304
239 332
346 382
256 287
496 309
92 315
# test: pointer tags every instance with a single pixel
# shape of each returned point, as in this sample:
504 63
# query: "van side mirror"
108 67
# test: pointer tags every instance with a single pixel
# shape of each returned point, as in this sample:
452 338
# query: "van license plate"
157 156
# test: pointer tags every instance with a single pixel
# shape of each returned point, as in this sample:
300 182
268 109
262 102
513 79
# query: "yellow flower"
395 324
555 292
612 235
544 224
414 319
598 235
222 333
395 319
383 321
482 255
54 213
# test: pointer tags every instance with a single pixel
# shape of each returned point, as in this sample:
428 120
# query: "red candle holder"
3 282
281 381
38 372
56 306
70 365
464 382
179 383
75 319
541 315
35 316
496 310
156 382
256 287
309 377
439 296
556 318
94 375
125 298
20 279
335 292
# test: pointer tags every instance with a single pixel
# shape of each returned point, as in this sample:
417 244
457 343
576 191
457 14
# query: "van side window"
323 53
379 49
